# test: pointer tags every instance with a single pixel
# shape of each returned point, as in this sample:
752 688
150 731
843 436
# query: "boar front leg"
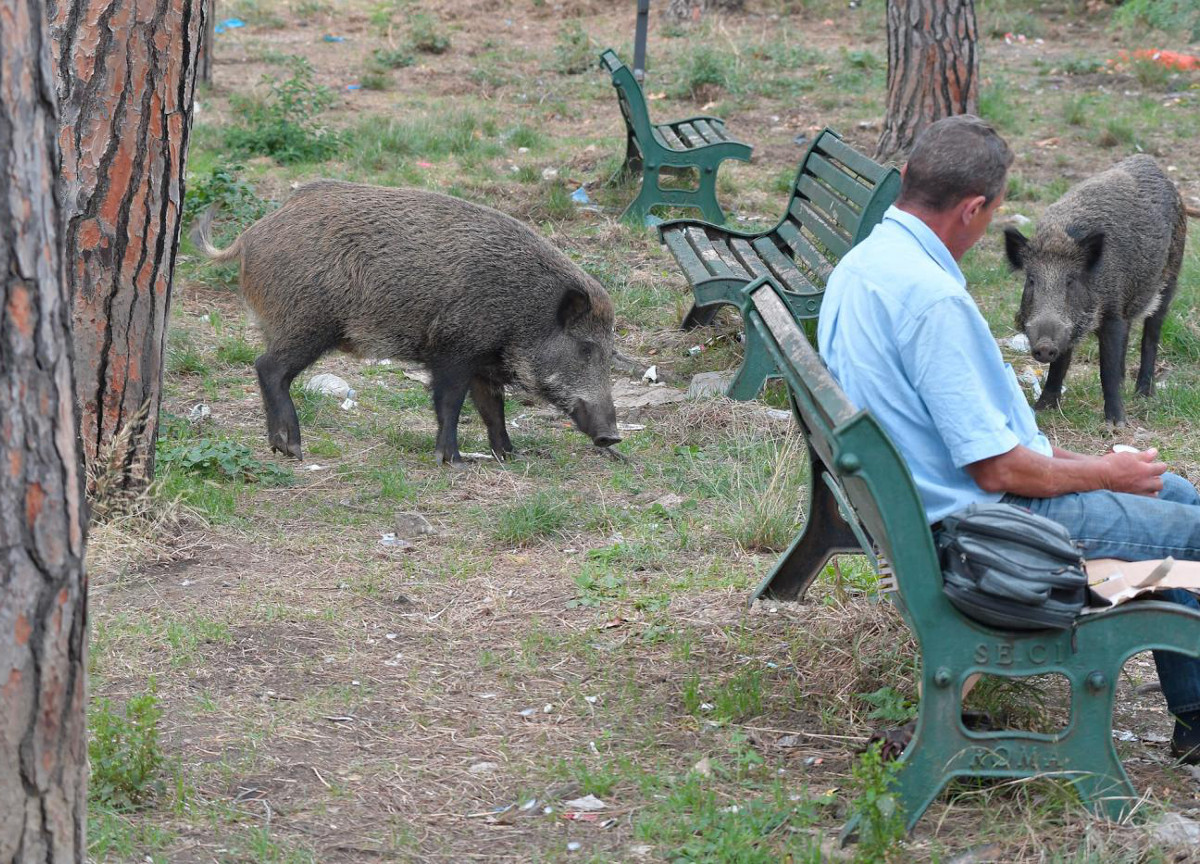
1054 381
488 397
449 392
1150 335
276 370
1114 339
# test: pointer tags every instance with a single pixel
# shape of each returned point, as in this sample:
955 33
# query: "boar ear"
1014 247
1093 247
574 305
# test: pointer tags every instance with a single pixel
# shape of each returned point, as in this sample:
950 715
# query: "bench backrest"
629 95
838 197
858 457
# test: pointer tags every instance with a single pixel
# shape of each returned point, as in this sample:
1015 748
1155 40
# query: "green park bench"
862 499
699 143
837 198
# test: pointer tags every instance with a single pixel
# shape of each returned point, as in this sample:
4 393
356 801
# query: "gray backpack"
1007 567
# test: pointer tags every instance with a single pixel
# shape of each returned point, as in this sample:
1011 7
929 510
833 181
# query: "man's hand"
1138 473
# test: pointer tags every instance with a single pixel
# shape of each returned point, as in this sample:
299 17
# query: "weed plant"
285 125
704 70
393 58
426 34
1177 17
124 754
573 50
881 819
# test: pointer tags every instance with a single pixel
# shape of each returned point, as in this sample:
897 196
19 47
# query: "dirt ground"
577 626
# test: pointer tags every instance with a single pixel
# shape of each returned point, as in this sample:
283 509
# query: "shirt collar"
930 242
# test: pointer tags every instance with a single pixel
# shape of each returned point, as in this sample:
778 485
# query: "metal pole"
639 41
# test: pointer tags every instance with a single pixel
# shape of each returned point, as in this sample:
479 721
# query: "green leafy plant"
889 705
427 35
705 69
223 187
881 818
123 751
284 125
1170 16
573 51
393 58
214 458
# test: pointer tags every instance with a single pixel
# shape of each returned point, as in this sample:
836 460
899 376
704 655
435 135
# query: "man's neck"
946 224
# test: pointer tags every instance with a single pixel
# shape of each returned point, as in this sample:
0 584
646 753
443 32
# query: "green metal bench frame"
837 198
701 143
862 498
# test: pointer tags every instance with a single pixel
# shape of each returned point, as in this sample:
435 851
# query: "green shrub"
881 818
284 126
235 199
574 52
426 34
393 58
1177 17
123 752
705 68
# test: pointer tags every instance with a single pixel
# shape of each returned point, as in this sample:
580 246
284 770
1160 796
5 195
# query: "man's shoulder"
898 271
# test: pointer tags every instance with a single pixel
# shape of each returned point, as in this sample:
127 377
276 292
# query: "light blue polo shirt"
905 340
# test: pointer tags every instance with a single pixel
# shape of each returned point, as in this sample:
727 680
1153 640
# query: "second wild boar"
1105 256
477 297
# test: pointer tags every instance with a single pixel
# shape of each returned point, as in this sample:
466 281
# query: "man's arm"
1024 472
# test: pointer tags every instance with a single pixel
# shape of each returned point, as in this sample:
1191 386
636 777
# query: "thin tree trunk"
205 63
933 68
127 75
43 610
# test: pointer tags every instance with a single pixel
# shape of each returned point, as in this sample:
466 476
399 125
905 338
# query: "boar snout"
596 420
1045 352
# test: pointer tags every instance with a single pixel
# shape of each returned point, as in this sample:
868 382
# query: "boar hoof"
281 444
1045 401
454 460
1115 422
613 455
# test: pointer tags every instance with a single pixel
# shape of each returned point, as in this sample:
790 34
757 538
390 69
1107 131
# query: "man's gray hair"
955 158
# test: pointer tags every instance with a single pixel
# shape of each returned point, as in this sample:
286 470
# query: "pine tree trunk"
127 75
205 63
933 68
43 730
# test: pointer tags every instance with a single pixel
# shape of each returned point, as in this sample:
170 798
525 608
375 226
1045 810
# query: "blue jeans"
1139 528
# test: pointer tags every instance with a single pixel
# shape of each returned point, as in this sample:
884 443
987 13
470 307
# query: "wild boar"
1105 256
478 298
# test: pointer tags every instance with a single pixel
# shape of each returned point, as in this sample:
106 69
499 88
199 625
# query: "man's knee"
1179 490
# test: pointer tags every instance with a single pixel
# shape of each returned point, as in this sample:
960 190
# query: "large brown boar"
1106 256
478 298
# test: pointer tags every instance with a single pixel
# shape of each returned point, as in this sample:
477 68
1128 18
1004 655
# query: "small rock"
703 767
410 525
630 394
483 768
777 415
1148 689
418 375
669 501
330 385
549 173
706 385
391 541
574 846
1175 830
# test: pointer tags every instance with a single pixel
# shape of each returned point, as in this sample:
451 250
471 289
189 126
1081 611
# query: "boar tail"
202 237
1194 212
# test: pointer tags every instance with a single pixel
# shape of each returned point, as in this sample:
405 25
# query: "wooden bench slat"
782 267
815 224
706 131
687 257
851 158
708 253
731 260
748 257
688 134
841 182
803 249
844 215
718 129
666 138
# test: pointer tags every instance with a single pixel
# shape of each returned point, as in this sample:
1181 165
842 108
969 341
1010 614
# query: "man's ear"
1014 247
573 306
971 208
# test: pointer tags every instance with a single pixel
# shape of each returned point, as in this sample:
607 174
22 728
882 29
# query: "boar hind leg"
1054 381
488 397
276 370
1114 339
449 393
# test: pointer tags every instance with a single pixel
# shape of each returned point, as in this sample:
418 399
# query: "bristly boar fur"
1105 256
474 295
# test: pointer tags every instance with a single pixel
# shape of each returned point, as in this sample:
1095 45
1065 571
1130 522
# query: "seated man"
905 340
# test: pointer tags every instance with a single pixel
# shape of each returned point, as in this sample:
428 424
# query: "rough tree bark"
127 75
43 732
933 68
207 43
